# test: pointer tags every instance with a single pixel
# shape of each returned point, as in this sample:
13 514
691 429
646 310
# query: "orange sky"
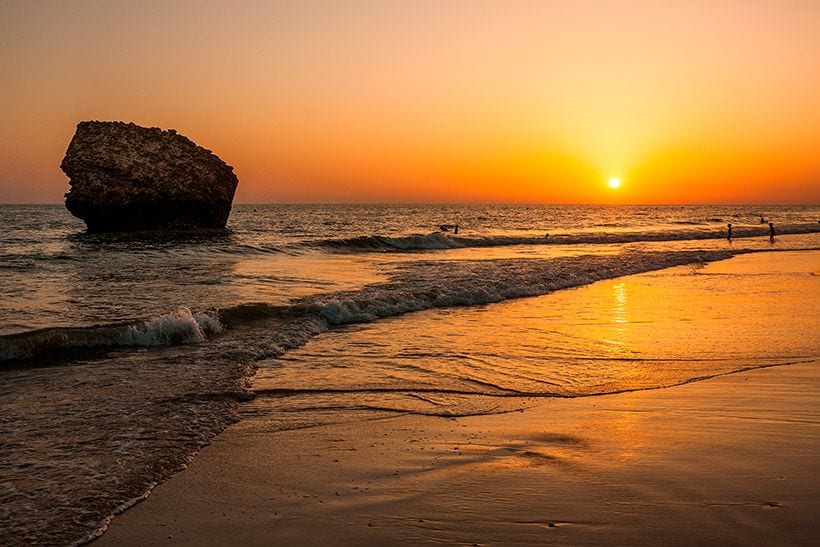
431 100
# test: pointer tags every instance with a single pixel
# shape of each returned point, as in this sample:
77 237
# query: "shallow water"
54 274
121 355
645 331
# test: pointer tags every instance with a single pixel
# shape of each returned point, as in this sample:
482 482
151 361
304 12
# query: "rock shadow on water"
152 239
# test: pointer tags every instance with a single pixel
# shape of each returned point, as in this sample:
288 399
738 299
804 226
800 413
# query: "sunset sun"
614 183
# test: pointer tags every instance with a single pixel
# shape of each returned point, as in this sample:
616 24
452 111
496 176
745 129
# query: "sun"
614 183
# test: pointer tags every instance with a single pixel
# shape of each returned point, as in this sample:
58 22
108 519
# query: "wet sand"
730 460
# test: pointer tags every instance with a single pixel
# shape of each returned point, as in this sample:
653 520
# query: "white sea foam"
181 326
444 241
414 286
435 284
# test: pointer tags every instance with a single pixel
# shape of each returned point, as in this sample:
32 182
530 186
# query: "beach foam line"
420 285
413 286
445 240
181 326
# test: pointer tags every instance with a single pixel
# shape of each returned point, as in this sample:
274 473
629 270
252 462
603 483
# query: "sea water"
122 354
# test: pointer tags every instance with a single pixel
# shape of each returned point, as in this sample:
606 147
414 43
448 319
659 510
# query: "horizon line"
478 204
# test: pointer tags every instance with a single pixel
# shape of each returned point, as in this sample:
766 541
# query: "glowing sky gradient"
431 101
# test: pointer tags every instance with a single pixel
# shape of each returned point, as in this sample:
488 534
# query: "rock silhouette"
127 177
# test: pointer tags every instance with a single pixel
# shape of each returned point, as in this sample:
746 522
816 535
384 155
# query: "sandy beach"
728 460
721 461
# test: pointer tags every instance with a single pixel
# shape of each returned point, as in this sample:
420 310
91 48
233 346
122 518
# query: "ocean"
121 355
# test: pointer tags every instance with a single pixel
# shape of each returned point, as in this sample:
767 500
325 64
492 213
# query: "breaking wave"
414 286
415 242
181 326
447 240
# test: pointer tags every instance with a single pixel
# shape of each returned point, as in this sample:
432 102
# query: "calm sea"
123 354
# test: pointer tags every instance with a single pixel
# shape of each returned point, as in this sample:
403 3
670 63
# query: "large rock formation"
127 177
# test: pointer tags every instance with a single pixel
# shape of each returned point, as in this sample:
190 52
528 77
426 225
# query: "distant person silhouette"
455 230
729 232
771 232
762 220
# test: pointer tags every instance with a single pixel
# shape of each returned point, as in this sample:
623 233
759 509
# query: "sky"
431 101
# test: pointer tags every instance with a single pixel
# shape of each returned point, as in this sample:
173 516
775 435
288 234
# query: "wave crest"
182 326
444 240
414 286
414 242
179 327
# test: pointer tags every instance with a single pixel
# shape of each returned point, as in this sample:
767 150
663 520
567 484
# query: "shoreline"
723 460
